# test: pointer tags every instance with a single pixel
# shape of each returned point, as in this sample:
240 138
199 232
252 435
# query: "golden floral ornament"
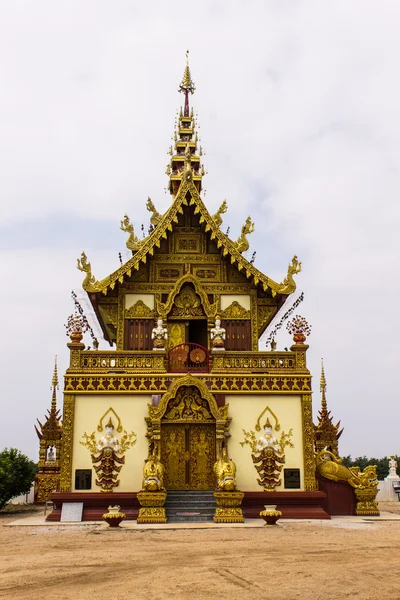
299 328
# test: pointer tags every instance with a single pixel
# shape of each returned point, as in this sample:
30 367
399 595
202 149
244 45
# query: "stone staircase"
189 506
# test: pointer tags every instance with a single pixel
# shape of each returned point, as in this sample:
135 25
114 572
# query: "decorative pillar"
67 443
310 483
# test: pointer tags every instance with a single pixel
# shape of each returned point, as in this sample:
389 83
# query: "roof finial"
54 385
323 383
187 85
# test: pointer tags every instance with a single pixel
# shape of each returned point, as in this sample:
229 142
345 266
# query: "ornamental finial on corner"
242 243
288 285
133 242
84 265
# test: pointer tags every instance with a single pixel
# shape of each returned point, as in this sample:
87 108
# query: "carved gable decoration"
188 405
189 396
235 311
187 299
139 310
187 303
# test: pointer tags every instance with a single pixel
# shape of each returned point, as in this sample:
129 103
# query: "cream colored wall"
227 299
132 411
245 411
147 299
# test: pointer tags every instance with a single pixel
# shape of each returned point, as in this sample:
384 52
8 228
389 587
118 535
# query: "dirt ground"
307 560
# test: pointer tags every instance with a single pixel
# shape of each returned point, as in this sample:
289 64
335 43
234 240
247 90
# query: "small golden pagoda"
326 433
185 385
50 436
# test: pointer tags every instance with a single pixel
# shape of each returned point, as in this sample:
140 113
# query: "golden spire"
187 84
54 385
51 429
185 162
323 386
326 433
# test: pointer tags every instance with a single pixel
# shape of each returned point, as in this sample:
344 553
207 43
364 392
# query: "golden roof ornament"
155 217
326 433
187 84
51 429
133 242
221 211
84 265
288 285
54 386
242 243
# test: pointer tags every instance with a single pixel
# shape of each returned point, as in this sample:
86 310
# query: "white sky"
298 103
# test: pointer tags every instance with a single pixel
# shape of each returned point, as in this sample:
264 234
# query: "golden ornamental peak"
187 83
54 380
323 378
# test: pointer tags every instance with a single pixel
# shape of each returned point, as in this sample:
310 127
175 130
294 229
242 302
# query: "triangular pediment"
188 196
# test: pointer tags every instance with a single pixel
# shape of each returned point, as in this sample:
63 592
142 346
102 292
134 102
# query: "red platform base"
96 504
293 505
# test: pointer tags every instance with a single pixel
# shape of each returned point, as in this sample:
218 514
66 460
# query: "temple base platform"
293 505
96 504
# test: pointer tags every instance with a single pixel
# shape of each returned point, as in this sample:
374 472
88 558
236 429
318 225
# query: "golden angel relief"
108 454
268 453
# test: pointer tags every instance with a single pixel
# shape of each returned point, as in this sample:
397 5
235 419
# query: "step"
190 506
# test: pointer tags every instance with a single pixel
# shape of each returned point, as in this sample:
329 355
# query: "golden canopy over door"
188 455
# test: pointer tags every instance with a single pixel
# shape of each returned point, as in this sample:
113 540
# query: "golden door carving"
188 455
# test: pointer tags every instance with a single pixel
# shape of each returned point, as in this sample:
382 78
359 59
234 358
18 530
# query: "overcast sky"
298 105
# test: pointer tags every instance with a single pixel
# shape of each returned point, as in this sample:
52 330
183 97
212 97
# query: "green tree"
17 472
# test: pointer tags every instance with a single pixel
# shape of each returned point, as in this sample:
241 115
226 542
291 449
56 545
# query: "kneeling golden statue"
227 497
153 474
152 495
225 470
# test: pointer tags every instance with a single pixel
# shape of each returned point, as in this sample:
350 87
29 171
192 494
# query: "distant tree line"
382 464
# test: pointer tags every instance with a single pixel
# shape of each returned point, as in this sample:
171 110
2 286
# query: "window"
83 479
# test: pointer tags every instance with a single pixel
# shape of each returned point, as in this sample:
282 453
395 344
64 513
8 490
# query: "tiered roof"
185 173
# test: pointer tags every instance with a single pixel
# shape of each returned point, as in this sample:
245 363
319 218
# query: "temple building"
184 402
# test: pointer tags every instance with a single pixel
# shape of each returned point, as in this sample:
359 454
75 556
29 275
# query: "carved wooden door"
188 456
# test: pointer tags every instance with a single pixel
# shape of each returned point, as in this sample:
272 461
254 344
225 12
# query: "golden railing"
150 361
255 362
